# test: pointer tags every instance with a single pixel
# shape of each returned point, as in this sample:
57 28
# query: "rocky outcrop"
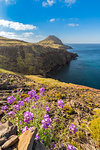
9 139
8 135
28 58
54 42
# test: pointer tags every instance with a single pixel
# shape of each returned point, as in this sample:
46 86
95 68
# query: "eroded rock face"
10 142
8 135
26 140
6 130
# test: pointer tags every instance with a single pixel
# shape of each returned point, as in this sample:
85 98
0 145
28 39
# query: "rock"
39 146
11 141
3 140
7 129
26 139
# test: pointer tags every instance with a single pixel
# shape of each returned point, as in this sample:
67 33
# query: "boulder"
39 146
26 140
11 141
7 130
3 140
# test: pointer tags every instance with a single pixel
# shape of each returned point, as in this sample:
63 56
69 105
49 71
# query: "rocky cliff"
30 58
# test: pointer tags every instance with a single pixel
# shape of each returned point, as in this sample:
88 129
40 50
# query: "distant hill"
33 58
54 42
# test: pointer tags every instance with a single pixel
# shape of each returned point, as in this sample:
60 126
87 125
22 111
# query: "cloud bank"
16 25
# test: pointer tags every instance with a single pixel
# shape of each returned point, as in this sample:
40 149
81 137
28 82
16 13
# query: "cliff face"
28 58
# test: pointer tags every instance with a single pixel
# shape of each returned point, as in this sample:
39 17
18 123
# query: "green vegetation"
95 129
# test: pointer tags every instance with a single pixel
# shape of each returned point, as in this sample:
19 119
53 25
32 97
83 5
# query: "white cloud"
48 3
16 25
73 25
52 20
9 1
70 2
11 35
26 36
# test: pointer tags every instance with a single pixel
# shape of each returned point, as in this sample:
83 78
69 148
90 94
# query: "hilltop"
54 42
34 58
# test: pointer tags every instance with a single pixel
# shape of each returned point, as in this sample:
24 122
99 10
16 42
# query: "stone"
10 142
39 146
3 140
26 139
7 129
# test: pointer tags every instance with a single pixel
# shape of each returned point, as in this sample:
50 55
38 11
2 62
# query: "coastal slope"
34 58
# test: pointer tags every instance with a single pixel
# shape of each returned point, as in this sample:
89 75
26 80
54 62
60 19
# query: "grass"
95 129
6 71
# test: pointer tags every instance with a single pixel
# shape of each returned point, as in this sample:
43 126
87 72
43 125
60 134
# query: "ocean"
85 70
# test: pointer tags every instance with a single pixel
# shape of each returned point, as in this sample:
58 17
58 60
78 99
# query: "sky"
73 21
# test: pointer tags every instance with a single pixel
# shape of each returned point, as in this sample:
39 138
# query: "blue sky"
73 21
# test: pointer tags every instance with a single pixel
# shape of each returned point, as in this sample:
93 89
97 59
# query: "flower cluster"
26 128
73 128
11 113
70 147
60 103
4 108
42 90
20 103
27 100
10 99
31 93
46 122
47 109
16 107
28 116
22 109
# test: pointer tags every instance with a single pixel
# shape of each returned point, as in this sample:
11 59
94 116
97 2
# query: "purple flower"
33 107
70 147
31 128
20 103
11 113
46 122
60 103
20 122
4 108
10 99
46 116
53 144
41 141
36 97
36 103
28 116
25 129
27 100
73 129
31 93
37 136
16 107
47 109
42 90
41 105
62 145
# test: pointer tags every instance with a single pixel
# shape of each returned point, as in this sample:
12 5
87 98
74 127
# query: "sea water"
85 70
